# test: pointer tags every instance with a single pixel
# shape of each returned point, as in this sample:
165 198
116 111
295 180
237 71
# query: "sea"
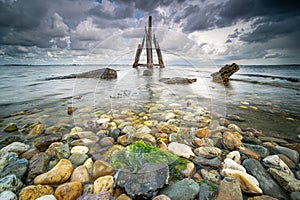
264 97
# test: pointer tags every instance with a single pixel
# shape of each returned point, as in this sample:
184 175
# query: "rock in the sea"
229 189
231 140
10 182
10 127
99 196
102 168
267 184
289 183
147 72
37 165
248 183
57 175
224 73
179 149
292 154
70 191
103 184
37 130
8 195
186 189
10 138
17 147
178 80
274 161
203 133
35 191
145 182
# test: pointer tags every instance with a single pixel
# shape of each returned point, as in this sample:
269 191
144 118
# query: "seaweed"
134 156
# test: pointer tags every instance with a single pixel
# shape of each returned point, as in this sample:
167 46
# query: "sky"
188 31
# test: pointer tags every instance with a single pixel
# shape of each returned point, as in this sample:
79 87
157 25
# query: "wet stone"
179 190
287 182
262 151
229 189
206 191
8 195
47 197
102 168
250 153
70 191
78 158
17 147
10 139
35 191
272 139
29 153
161 197
17 167
145 182
266 182
214 163
10 127
210 175
292 154
10 182
44 142
231 141
63 151
37 165
179 149
263 197
103 184
80 174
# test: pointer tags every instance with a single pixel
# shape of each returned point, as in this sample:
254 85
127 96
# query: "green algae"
134 156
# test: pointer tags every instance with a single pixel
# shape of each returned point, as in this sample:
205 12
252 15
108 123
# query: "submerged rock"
224 73
10 127
178 80
145 182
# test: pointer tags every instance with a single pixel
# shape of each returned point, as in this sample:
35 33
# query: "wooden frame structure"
148 37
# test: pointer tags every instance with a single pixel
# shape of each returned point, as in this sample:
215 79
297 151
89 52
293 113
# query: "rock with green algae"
134 156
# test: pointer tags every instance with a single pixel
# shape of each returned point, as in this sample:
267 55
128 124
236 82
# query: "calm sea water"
269 104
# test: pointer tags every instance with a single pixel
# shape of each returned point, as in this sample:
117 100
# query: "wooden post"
158 51
138 54
149 44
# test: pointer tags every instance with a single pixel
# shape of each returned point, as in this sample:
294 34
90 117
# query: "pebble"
37 165
10 127
99 196
10 182
231 141
289 183
203 132
179 190
292 154
179 149
274 161
80 174
47 197
103 184
214 163
17 147
78 158
44 142
249 153
262 151
57 175
160 197
211 175
37 130
208 151
80 149
102 168
18 167
229 189
70 191
8 195
35 191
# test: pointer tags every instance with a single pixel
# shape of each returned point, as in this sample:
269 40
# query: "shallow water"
272 105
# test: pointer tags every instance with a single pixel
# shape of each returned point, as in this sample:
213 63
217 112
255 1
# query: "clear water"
274 104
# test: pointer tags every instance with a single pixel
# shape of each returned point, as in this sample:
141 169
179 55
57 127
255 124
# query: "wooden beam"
158 51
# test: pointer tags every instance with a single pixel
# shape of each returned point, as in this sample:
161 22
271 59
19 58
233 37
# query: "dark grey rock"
17 167
186 189
262 151
206 192
292 154
178 80
266 182
45 141
214 163
145 182
147 72
10 182
37 165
